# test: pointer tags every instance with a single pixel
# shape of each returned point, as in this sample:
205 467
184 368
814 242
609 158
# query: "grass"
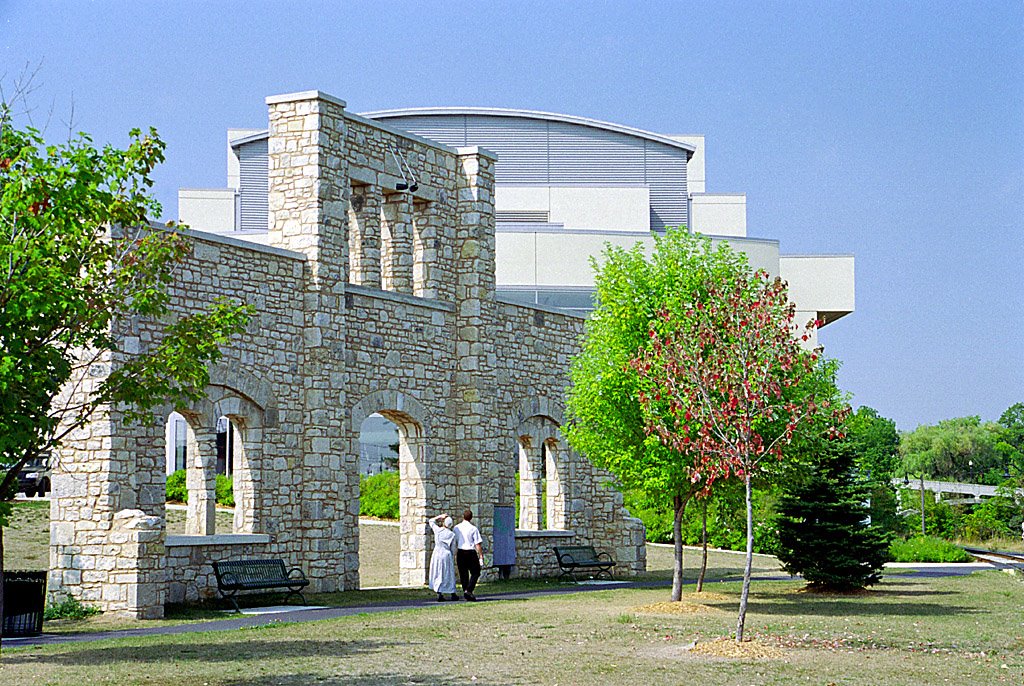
906 631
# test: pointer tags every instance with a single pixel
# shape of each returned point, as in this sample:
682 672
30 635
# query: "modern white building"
565 186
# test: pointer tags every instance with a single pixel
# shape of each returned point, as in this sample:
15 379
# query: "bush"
69 608
927 549
177 491
225 491
378 495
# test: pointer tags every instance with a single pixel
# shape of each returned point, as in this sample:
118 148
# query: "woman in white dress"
442 561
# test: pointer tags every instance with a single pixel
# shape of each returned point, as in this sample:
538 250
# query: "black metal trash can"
24 602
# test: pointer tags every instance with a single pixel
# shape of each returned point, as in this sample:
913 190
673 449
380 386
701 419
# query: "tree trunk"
1 586
677 539
750 559
704 545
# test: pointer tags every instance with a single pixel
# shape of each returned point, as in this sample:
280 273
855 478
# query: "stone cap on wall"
216 539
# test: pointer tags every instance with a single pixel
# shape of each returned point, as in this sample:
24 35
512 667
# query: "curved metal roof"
529 114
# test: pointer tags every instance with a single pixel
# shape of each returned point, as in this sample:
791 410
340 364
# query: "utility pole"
923 532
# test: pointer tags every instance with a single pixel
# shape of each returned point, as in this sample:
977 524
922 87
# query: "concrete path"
312 614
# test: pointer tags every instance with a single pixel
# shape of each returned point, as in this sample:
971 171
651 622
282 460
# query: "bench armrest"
605 557
296 573
227 579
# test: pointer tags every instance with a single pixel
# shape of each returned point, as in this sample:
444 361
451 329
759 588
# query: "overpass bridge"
962 492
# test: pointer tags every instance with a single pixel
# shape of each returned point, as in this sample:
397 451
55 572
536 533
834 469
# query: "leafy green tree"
959 449
605 420
876 444
77 261
1011 443
822 531
727 385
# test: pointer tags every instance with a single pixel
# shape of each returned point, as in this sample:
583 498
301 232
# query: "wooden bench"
574 558
257 575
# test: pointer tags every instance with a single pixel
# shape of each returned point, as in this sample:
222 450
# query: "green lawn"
907 631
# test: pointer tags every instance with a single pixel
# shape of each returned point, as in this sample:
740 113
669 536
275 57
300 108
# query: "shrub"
177 491
69 608
225 491
378 495
927 549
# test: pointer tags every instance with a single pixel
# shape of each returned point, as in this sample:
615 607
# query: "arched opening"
379 506
211 452
542 475
410 424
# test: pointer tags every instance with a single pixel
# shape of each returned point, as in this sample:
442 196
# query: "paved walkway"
318 613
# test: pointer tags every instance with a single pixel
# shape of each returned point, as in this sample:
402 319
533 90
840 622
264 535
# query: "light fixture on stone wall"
408 183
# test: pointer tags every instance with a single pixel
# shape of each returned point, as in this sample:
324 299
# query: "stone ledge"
216 539
544 533
304 95
406 298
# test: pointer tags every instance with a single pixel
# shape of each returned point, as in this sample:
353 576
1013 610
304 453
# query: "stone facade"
377 294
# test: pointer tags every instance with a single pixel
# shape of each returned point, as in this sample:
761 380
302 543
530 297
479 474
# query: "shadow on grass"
386 679
793 604
244 649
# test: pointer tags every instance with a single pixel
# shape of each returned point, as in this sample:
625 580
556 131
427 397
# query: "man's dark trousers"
469 569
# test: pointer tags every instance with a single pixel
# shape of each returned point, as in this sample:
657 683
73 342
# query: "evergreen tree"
823 534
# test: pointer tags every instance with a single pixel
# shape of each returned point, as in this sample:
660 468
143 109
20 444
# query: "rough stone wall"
469 381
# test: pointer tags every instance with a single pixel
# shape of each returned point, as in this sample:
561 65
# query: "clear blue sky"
893 131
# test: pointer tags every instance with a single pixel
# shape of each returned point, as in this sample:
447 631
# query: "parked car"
34 478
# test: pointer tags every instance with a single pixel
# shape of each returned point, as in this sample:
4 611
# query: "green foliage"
822 530
378 495
177 491
79 262
876 442
69 608
225 491
927 549
940 518
953 449
606 423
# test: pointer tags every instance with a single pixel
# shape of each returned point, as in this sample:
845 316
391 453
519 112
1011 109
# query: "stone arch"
414 429
248 417
544 465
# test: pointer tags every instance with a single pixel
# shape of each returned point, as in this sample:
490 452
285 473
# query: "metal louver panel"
666 178
582 155
521 216
446 130
549 152
252 163
521 145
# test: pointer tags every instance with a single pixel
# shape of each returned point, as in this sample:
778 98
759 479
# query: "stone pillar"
396 243
201 481
477 435
308 188
413 561
364 214
530 486
557 469
427 271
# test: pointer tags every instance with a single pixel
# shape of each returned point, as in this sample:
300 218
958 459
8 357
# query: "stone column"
396 242
364 214
201 481
530 486
308 188
427 270
477 435
556 467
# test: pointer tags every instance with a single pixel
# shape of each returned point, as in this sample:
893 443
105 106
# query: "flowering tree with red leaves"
728 384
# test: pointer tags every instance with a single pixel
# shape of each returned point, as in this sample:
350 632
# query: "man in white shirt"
470 554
